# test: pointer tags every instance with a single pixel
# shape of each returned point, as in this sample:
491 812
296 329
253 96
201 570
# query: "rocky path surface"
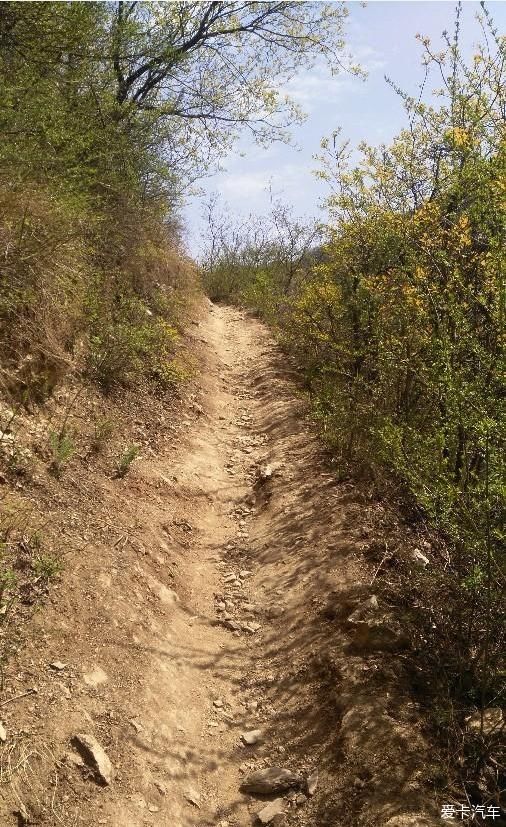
221 646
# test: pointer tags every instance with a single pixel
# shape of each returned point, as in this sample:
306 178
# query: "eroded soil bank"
237 598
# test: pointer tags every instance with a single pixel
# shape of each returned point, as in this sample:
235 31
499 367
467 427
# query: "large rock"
271 780
365 611
372 631
95 757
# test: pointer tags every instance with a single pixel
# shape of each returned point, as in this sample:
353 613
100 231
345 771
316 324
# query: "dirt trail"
228 616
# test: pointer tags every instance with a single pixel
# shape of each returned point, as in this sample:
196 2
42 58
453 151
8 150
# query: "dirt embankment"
222 595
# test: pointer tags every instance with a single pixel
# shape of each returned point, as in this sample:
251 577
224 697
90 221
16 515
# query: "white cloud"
244 184
312 88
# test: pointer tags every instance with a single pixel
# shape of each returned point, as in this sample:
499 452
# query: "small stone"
193 796
153 808
300 799
218 703
3 733
265 473
270 780
273 809
249 607
420 559
65 691
58 666
95 677
232 625
252 737
95 756
312 783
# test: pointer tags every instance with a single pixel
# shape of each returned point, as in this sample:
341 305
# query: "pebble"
252 737
3 733
420 558
273 809
193 796
312 783
232 625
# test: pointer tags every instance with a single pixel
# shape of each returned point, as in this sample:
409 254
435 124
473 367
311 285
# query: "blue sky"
381 37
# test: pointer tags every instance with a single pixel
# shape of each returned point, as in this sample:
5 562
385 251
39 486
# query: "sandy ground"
209 617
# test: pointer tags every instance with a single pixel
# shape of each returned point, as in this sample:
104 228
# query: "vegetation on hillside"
397 322
109 112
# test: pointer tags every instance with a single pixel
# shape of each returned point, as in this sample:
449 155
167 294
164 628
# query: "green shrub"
136 343
46 567
102 431
62 449
126 460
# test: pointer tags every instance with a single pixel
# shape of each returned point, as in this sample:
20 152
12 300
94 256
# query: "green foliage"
258 261
8 582
133 343
46 567
126 460
397 325
62 449
109 112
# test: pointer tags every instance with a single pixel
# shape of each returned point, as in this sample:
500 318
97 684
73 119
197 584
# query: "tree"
200 72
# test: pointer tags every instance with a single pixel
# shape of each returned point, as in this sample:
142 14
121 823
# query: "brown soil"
152 667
